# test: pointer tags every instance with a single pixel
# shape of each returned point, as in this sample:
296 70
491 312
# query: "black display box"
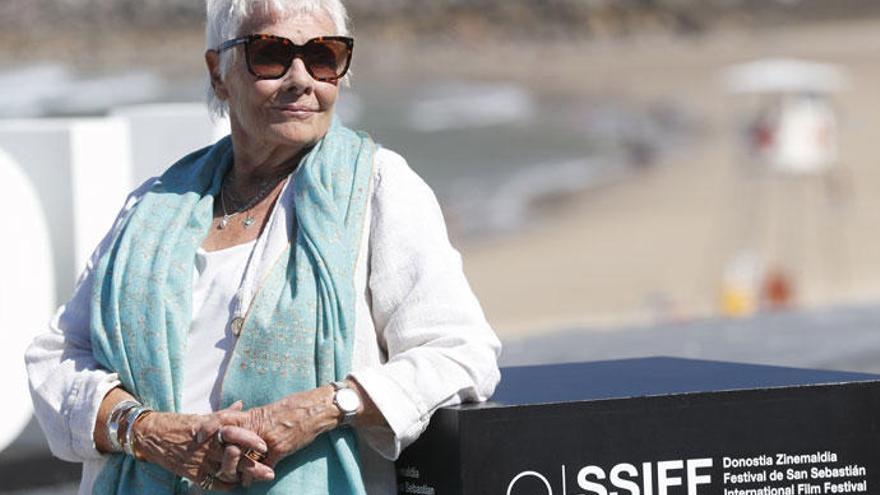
655 426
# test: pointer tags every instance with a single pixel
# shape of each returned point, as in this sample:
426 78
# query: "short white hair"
226 18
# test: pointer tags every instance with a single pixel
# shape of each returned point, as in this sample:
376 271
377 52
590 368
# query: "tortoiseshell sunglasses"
269 57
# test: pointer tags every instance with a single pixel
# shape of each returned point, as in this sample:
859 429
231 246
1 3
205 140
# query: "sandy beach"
653 248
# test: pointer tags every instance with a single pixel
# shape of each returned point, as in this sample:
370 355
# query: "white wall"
26 292
81 170
162 134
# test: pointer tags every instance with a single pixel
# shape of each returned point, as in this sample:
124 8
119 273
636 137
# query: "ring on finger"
207 483
219 437
254 455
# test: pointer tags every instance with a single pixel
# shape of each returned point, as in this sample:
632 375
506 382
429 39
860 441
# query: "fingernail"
270 474
264 447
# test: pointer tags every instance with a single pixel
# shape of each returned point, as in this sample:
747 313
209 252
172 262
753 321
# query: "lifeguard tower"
791 173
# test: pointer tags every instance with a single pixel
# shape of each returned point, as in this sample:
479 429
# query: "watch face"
348 400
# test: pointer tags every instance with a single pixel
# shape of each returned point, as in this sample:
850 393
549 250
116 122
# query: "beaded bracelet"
113 422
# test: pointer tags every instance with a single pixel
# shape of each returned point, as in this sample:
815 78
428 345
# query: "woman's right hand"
179 443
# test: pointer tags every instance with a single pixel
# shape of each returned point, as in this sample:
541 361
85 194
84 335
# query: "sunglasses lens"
326 59
269 58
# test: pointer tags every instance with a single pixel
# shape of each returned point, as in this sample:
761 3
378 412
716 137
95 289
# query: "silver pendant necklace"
249 219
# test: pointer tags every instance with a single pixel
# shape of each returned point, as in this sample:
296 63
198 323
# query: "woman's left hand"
294 421
287 425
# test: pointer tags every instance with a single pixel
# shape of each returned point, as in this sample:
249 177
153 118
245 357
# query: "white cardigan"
421 338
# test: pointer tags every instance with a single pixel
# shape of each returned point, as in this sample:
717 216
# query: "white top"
216 277
421 338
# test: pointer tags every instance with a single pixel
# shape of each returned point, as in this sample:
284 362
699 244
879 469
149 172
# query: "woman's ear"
212 61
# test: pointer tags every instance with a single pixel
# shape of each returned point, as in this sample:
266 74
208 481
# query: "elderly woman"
280 312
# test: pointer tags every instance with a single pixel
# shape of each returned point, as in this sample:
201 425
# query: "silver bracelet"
131 418
116 414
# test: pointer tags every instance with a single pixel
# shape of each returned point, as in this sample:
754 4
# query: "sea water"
493 151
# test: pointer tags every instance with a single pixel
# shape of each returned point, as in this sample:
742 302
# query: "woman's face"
295 110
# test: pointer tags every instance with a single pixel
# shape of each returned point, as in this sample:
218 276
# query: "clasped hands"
211 448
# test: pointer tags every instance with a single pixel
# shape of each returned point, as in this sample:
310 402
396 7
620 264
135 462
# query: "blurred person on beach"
280 312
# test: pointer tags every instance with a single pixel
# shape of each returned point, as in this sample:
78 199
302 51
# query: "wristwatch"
347 400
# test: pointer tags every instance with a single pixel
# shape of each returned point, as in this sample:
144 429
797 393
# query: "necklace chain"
265 187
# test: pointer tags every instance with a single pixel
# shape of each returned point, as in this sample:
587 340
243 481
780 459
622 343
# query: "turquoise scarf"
299 330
